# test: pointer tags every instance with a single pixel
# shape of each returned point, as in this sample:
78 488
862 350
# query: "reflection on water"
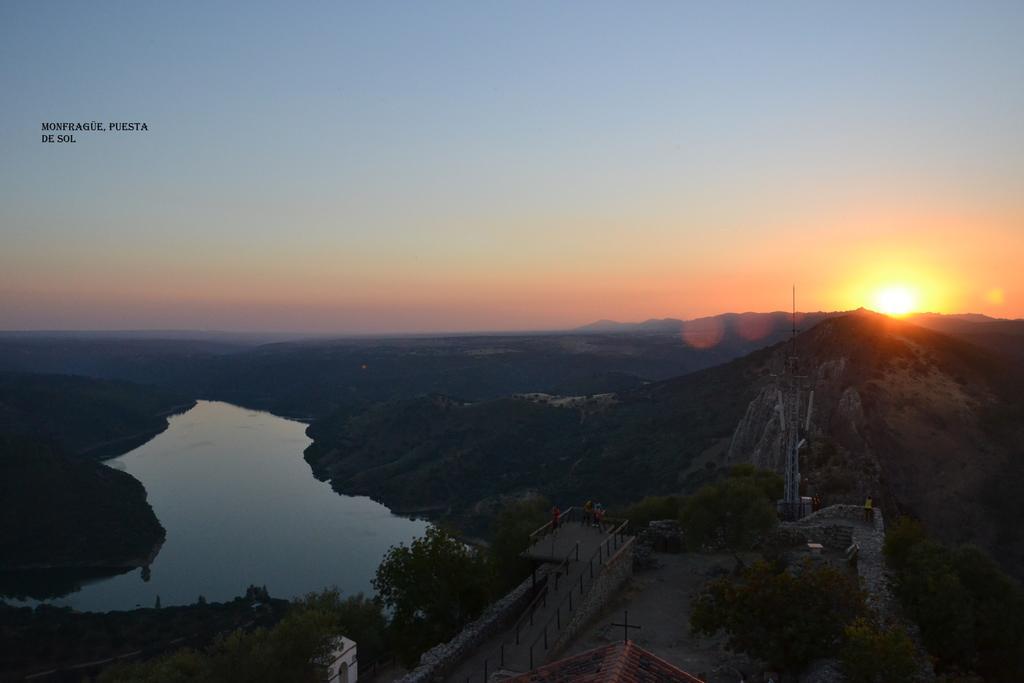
47 584
241 507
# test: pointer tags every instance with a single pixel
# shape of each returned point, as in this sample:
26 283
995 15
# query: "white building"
341 663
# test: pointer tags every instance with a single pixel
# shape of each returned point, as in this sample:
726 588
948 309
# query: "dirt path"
659 602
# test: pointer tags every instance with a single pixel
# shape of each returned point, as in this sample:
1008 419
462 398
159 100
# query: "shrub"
783 619
287 652
649 509
970 613
900 539
769 482
512 530
873 655
433 587
737 511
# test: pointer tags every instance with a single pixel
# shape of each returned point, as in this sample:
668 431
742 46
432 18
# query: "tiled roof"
614 663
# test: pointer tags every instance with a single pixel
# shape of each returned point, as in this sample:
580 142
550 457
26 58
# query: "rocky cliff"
927 424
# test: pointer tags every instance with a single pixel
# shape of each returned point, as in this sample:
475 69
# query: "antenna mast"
792 437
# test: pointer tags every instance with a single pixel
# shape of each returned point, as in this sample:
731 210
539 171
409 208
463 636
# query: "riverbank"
61 644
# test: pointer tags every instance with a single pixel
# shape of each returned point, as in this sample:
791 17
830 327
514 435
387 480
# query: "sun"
895 300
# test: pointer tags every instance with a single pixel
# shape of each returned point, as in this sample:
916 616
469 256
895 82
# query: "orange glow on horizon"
558 278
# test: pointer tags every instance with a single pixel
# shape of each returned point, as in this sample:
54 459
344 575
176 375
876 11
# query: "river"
242 507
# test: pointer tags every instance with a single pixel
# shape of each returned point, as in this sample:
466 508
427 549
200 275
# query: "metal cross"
626 626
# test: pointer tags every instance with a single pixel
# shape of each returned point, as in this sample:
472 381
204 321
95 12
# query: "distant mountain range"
734 322
998 334
777 319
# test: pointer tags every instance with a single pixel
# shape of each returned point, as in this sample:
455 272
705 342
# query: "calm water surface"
242 507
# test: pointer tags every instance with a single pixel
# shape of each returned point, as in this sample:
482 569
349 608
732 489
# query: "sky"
449 166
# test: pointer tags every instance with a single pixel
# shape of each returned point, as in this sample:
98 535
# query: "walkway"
580 552
555 547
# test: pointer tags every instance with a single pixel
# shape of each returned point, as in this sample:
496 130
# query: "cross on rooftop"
626 626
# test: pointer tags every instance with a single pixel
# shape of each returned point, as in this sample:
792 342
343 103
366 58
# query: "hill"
311 378
1003 336
84 416
59 508
929 423
58 512
462 458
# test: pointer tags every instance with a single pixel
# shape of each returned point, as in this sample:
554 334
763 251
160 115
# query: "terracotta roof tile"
613 663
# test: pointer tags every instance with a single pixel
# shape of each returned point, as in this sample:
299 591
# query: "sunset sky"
442 166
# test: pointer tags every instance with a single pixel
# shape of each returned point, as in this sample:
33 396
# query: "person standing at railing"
599 516
556 515
588 513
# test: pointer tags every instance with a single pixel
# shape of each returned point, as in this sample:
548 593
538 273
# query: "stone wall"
441 659
615 572
853 513
870 566
827 527
837 537
662 536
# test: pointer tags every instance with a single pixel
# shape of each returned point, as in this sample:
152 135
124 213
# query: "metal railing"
572 514
573 597
555 622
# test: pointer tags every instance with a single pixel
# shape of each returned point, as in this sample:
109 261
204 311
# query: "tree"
784 619
935 598
356 617
433 587
734 512
185 665
650 509
296 649
998 608
970 613
874 655
512 530
770 483
900 539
